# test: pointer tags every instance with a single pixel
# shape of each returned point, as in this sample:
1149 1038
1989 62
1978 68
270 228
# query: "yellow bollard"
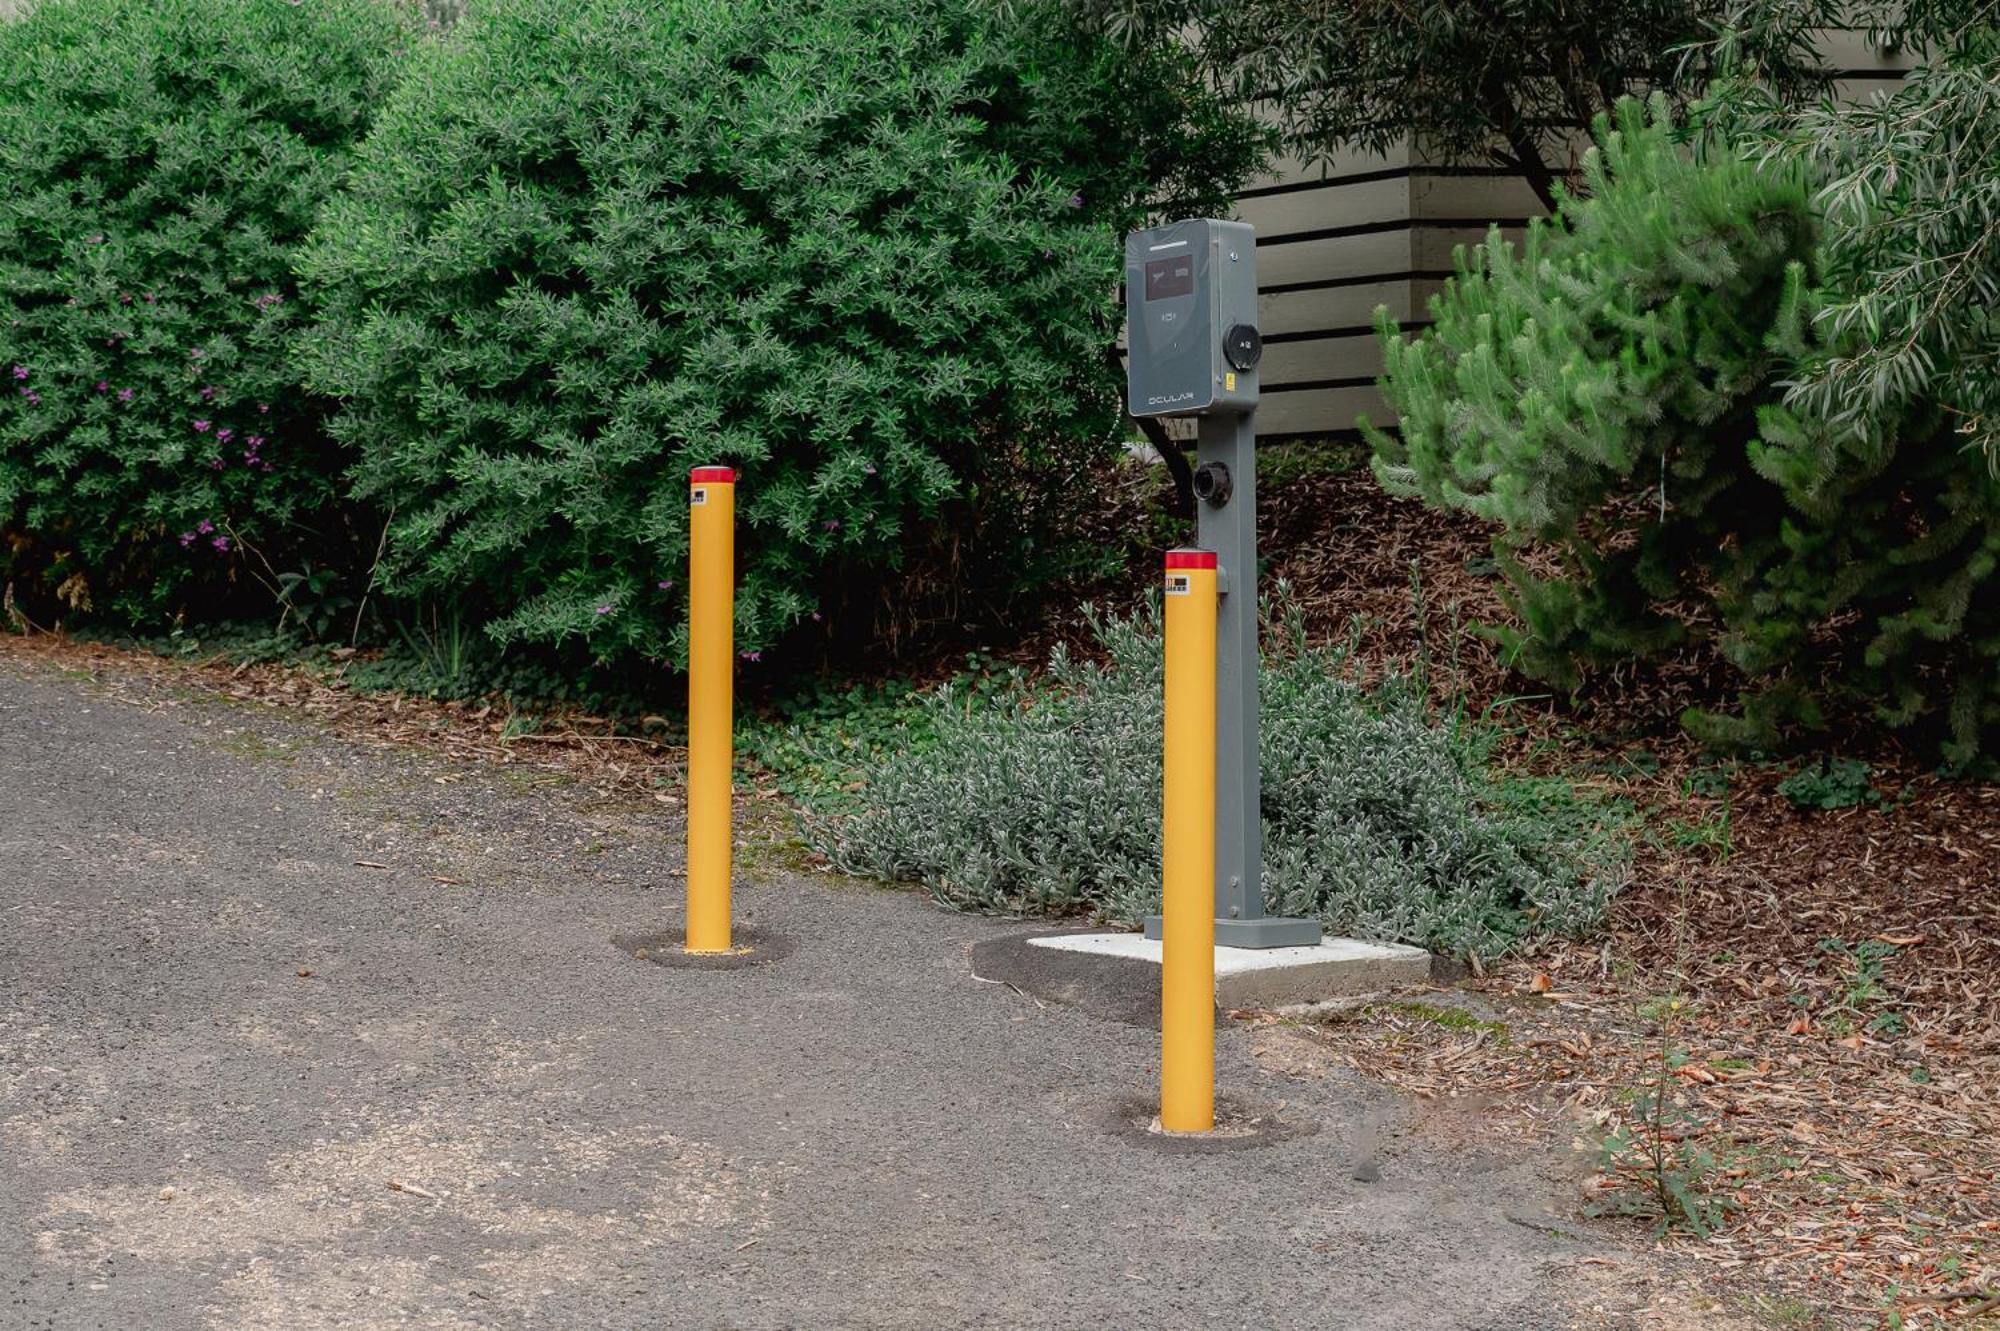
711 702
1187 930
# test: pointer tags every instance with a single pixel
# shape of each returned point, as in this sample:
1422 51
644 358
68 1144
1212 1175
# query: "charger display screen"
1170 277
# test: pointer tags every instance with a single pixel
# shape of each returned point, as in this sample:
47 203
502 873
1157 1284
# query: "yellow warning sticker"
1229 383
1177 584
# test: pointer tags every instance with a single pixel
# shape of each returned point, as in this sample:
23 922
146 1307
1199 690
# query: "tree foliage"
1612 393
868 256
159 163
1515 82
1909 187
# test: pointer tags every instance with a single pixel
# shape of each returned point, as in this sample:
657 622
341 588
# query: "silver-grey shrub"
1379 818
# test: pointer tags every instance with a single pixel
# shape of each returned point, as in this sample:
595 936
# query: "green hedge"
865 253
159 163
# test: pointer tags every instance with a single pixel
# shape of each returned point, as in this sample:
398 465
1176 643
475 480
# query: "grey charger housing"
1191 317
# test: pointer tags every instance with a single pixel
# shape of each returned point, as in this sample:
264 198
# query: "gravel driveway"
297 1033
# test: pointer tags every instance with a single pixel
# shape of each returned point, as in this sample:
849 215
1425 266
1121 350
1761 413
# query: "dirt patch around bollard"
754 948
1240 1125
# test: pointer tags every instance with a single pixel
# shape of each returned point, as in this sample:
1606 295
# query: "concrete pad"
1117 975
1275 976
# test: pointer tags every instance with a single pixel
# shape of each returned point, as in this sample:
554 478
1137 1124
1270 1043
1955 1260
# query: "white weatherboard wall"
1334 244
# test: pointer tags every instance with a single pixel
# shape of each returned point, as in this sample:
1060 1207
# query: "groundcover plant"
1380 818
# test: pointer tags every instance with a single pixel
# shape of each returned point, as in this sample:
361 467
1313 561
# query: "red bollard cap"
1190 559
712 476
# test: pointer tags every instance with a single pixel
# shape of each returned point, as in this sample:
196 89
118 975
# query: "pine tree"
1612 393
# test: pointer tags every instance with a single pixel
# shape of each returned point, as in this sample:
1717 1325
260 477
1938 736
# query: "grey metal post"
1191 304
1230 529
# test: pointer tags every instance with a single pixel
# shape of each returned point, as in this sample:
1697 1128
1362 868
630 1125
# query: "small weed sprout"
1654 1158
1830 783
440 649
1711 831
1864 998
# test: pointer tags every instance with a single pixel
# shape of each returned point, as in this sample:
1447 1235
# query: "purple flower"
263 408
215 464
124 395
267 468
97 240
831 524
125 298
220 543
205 527
602 610
201 427
103 386
224 436
255 441
34 398
752 656
208 393
20 371
151 299
1076 201
868 468
816 616
249 459
187 539
666 584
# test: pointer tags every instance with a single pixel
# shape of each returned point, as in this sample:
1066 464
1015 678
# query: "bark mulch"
1816 991
1818 1004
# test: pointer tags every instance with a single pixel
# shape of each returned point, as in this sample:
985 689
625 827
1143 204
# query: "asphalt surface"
475 1111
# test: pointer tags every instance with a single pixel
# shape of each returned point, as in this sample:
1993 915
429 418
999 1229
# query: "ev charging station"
1193 350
